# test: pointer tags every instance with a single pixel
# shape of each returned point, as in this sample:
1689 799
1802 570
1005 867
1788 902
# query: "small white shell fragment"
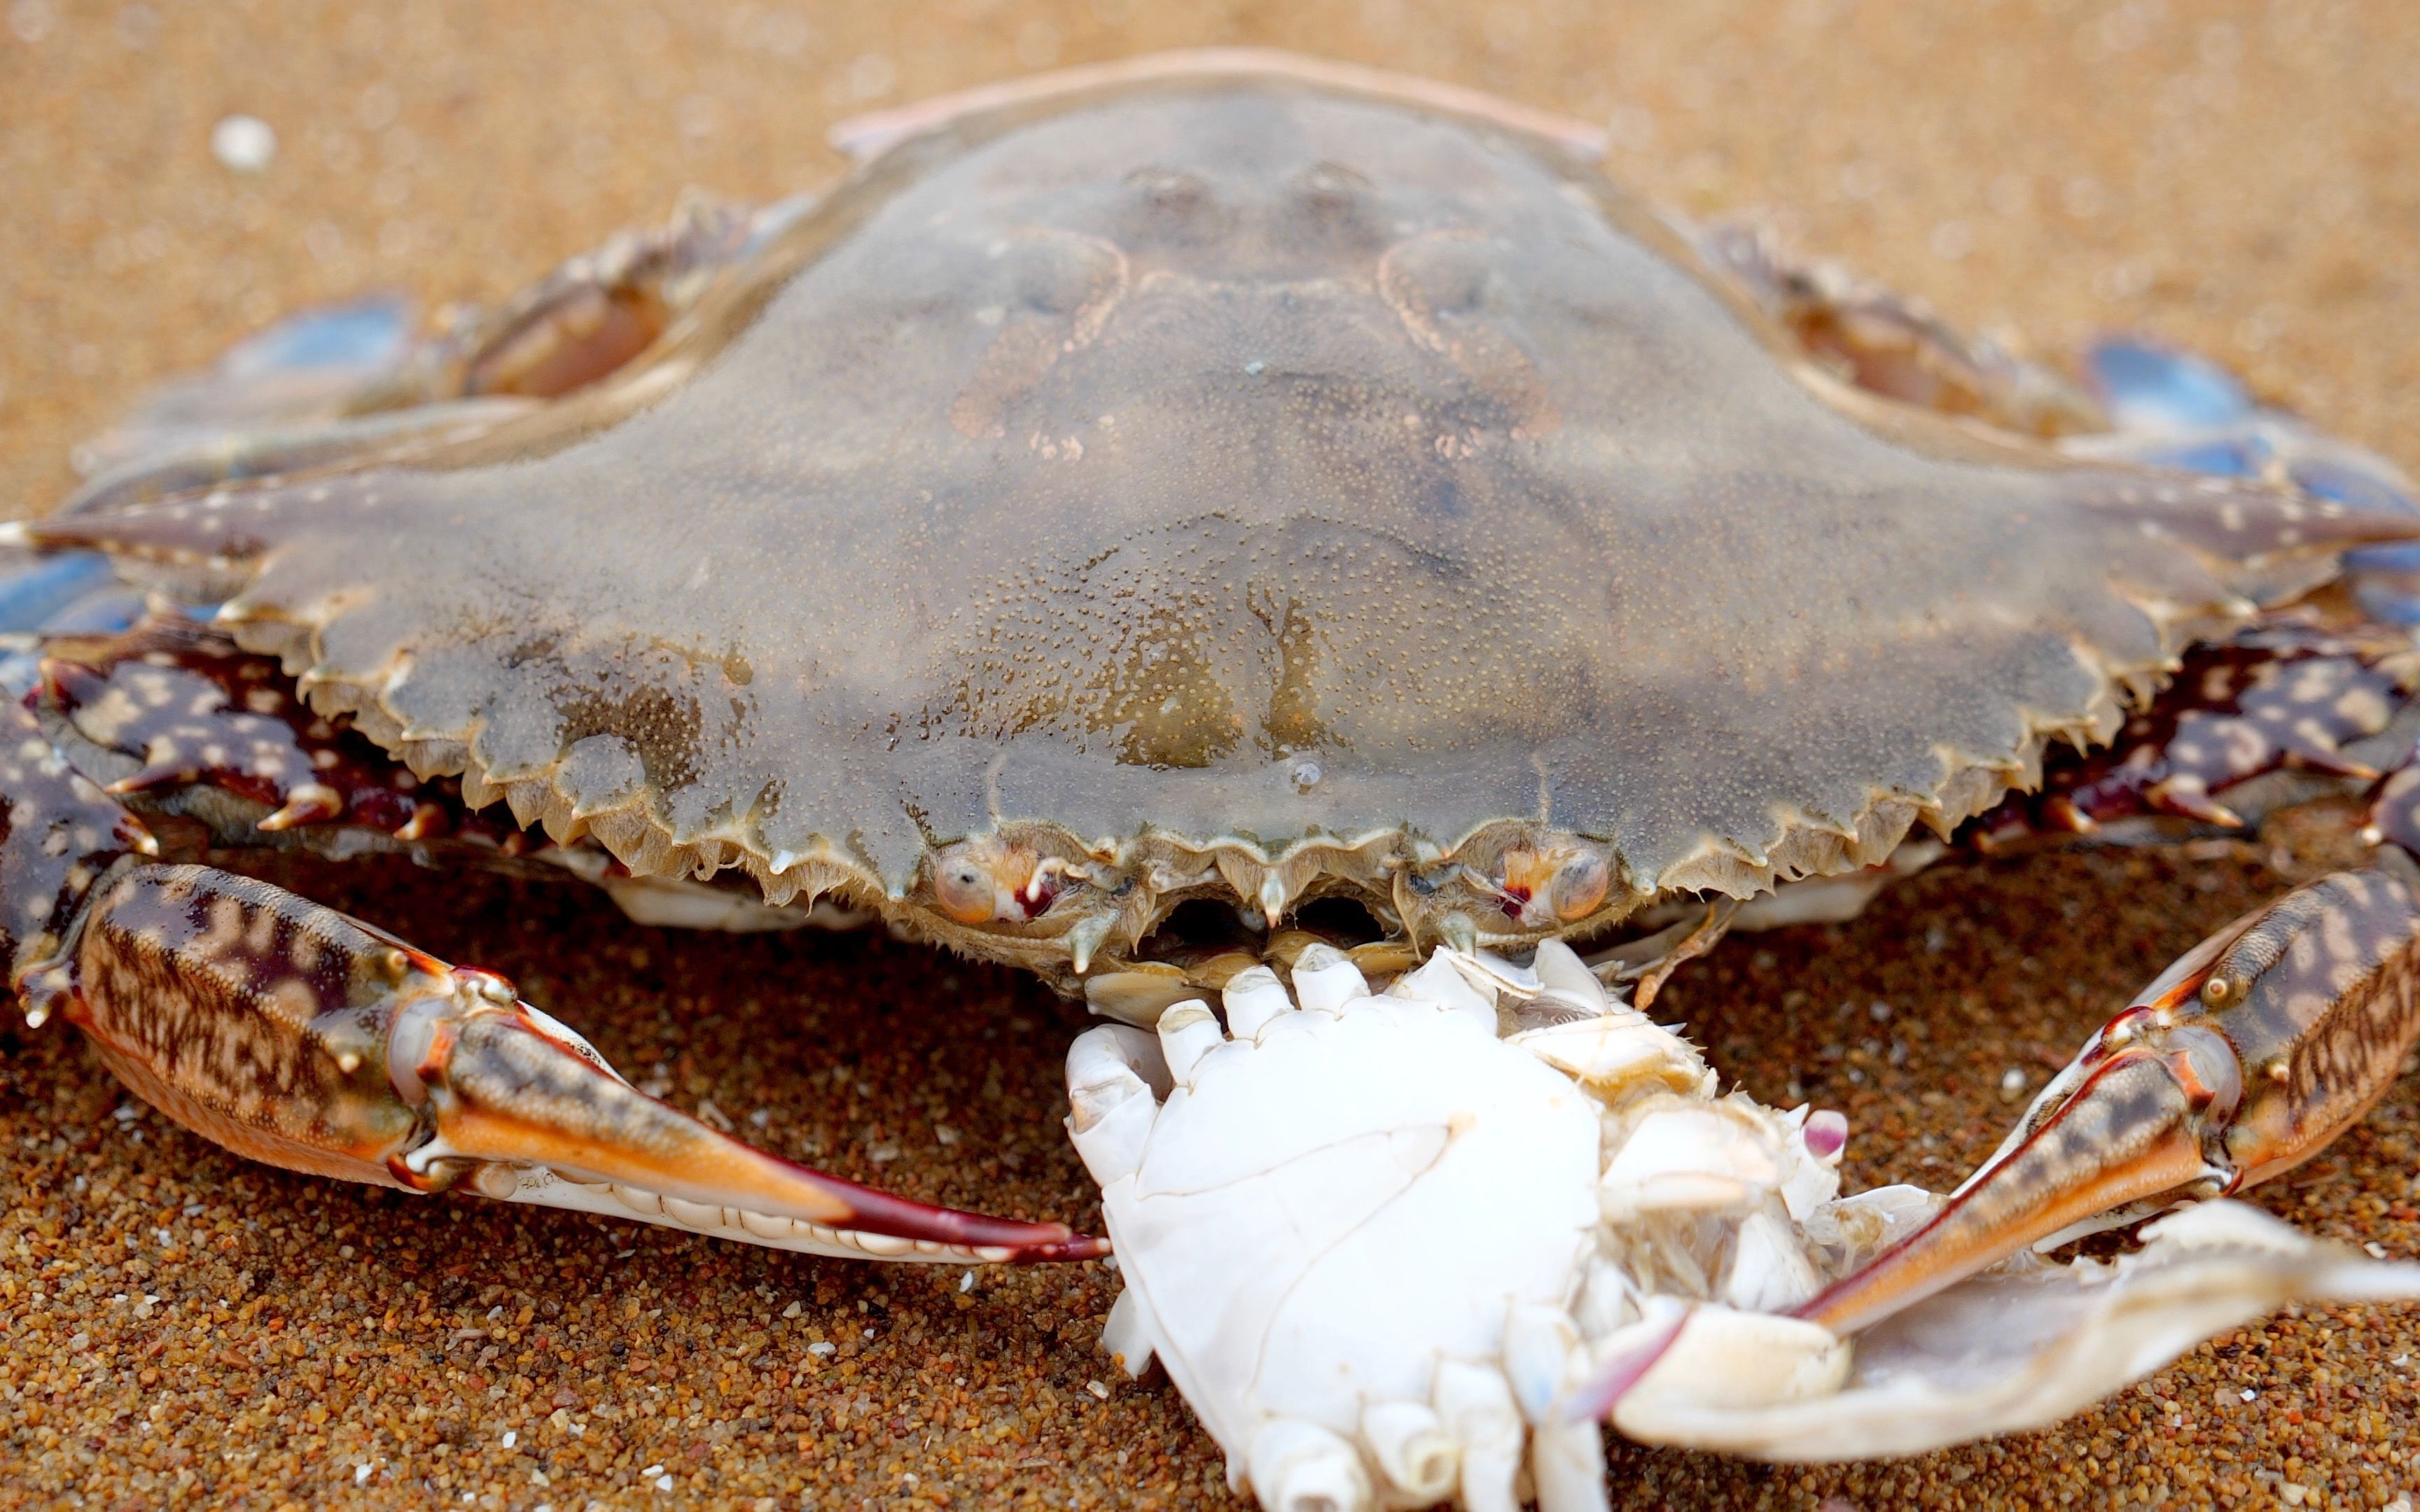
1769 1271
1187 1032
1419 1459
1127 1336
1324 981
1110 1096
1686 1157
1615 1053
1476 1407
243 144
1731 1360
1253 997
1394 1258
1563 975
1567 1466
1440 982
1494 975
1855 1229
1301 1467
1541 1354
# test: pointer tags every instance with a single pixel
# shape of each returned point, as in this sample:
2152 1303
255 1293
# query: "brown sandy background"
183 1328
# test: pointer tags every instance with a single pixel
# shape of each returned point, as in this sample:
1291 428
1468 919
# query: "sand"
184 1329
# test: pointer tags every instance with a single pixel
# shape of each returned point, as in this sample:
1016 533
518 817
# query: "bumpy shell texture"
1236 455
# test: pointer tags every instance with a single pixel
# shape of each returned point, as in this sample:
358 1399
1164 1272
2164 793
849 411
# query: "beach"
183 1328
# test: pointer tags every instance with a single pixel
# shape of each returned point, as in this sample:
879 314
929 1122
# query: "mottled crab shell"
1233 470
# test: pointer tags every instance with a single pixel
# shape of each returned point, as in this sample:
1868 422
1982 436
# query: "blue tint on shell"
364 334
35 588
2147 387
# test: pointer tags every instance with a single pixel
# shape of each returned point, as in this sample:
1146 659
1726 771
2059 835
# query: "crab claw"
293 1034
2244 1059
531 1112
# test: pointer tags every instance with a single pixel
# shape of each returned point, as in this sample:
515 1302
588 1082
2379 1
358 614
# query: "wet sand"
181 1327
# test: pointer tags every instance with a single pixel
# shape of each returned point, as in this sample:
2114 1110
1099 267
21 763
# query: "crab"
1209 522
1627 1244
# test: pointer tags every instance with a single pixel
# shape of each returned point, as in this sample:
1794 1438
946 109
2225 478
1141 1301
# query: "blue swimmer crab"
1278 550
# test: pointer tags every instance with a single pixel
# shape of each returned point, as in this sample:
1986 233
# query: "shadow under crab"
1241 525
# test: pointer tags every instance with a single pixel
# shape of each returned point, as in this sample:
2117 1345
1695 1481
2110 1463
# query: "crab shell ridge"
1231 480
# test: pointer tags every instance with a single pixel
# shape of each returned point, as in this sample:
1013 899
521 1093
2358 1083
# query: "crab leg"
2243 1061
1884 340
290 1033
345 383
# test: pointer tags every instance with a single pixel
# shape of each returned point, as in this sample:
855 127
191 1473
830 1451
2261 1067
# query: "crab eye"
964 887
1579 886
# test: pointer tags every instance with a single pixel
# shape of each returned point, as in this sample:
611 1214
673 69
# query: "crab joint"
2244 1059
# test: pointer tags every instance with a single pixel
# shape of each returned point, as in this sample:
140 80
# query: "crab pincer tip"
531 1111
2129 1132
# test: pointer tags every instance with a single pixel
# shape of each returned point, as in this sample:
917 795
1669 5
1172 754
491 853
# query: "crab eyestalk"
290 1033
988 880
1552 885
2244 1059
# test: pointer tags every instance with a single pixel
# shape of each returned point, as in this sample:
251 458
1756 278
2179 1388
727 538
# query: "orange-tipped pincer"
290 1033
528 1109
2246 1059
2128 1134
